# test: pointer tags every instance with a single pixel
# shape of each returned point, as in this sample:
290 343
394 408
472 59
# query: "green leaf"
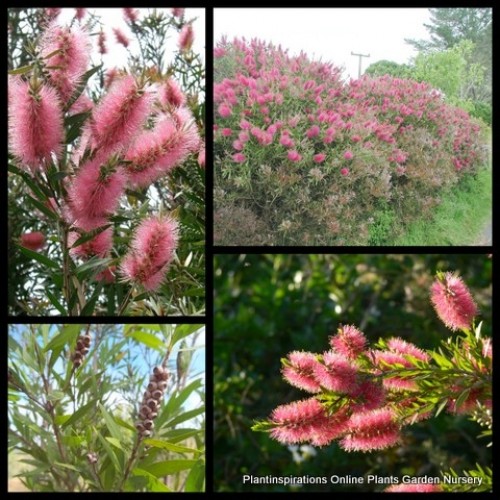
43 208
67 466
78 415
66 334
90 305
149 340
460 400
441 407
182 331
115 442
161 469
55 302
157 443
111 454
110 423
186 416
175 402
39 257
21 70
153 483
93 264
195 480
83 83
75 123
121 422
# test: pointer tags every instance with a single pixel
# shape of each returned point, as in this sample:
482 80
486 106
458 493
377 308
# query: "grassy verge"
459 220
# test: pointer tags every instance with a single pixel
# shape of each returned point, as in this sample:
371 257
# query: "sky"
330 34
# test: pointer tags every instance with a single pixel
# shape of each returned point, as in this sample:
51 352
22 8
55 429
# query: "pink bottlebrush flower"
294 156
110 77
348 155
238 145
151 251
327 428
80 13
295 422
243 137
367 396
286 141
226 132
356 138
224 110
344 171
201 158
186 38
131 15
94 193
107 276
70 62
319 158
386 361
336 374
469 404
300 371
413 488
349 341
371 430
178 11
452 301
401 346
52 12
171 94
101 43
32 241
35 123
313 132
155 152
99 246
239 158
121 38
119 115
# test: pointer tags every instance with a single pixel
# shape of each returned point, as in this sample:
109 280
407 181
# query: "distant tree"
448 27
384 67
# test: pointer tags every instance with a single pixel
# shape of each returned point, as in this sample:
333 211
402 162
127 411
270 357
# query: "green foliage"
268 305
384 67
60 416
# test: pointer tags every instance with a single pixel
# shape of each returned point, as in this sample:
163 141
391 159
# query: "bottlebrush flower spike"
349 341
399 345
120 114
299 371
186 38
100 245
35 123
336 374
371 430
120 36
131 14
452 301
178 11
201 158
151 251
94 193
171 94
71 60
155 152
413 488
32 241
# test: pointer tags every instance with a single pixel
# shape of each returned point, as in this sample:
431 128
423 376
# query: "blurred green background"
268 305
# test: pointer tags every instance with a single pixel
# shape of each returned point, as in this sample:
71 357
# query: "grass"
459 220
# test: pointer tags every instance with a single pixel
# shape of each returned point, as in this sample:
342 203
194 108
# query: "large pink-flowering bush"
314 157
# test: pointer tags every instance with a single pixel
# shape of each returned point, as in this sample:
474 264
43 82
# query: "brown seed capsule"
139 426
146 433
153 415
158 370
162 385
77 355
79 345
152 404
148 424
86 340
163 376
152 386
84 351
157 395
77 363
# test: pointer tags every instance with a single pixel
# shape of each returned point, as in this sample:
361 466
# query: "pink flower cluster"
366 419
118 148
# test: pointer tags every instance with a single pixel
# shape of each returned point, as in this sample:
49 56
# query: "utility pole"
360 56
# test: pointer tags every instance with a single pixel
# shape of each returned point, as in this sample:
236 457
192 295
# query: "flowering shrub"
74 397
314 158
364 396
97 161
